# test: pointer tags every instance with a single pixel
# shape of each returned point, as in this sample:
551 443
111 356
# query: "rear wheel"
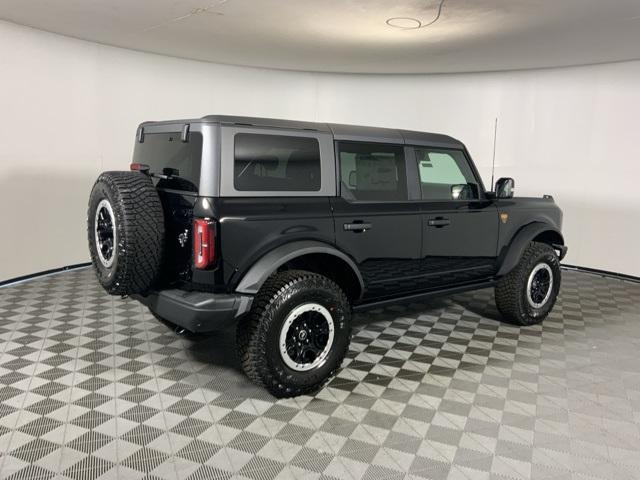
297 333
526 295
125 231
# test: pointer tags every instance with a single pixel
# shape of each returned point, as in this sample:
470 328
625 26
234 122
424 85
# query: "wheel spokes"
105 233
540 285
307 338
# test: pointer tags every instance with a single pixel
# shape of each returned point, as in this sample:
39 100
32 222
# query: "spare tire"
126 232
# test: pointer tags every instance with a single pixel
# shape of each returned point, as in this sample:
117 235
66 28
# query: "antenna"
493 161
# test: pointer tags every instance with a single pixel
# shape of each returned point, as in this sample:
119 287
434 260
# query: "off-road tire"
258 333
511 291
139 227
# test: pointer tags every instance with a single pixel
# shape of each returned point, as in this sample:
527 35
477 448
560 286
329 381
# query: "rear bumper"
197 311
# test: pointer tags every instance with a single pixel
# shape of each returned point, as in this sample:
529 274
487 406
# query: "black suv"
285 228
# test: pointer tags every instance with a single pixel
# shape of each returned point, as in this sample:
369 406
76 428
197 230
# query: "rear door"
375 223
460 225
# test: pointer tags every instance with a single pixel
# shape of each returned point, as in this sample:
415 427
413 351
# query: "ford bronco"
283 229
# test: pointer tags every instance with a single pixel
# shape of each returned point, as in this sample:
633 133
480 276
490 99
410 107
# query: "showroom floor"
93 386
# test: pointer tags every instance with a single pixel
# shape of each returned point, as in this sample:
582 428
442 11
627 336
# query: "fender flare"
262 269
512 254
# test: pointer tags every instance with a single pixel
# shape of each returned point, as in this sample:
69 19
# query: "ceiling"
353 35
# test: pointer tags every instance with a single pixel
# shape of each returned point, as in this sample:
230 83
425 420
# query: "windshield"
166 154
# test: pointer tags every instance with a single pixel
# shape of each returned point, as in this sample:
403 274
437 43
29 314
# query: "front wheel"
297 333
526 295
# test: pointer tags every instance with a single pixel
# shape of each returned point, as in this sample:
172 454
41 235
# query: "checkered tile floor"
92 386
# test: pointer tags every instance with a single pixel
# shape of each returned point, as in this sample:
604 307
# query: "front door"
460 226
375 223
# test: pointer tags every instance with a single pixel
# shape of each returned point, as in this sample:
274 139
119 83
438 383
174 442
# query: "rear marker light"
204 239
139 167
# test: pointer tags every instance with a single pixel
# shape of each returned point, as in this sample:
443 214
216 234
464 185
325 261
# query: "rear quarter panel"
248 228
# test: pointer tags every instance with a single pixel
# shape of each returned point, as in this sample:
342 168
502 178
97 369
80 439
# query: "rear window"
167 154
276 163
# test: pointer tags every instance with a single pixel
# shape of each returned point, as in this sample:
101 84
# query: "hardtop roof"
339 131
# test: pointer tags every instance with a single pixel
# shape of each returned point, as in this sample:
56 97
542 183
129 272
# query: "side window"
276 163
445 175
372 172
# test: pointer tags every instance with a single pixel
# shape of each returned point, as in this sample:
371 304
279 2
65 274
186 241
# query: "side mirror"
505 187
461 192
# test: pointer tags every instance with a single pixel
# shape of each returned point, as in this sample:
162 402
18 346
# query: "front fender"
511 255
271 261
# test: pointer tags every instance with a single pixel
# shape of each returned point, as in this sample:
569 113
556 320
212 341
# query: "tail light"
204 243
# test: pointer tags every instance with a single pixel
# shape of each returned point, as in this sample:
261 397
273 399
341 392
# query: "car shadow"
483 306
220 369
217 348
433 306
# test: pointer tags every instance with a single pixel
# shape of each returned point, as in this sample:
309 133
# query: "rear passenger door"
375 222
460 225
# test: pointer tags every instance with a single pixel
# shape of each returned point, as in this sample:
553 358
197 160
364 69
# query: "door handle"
357 227
438 222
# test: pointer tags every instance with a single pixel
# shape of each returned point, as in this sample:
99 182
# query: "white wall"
69 109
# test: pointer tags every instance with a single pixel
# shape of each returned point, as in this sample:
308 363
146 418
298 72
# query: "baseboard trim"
11 281
602 273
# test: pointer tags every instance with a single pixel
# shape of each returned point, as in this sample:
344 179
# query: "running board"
423 295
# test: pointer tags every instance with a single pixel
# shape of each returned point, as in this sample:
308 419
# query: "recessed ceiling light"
404 23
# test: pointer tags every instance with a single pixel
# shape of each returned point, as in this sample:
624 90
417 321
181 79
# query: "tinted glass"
162 151
276 162
372 172
445 175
